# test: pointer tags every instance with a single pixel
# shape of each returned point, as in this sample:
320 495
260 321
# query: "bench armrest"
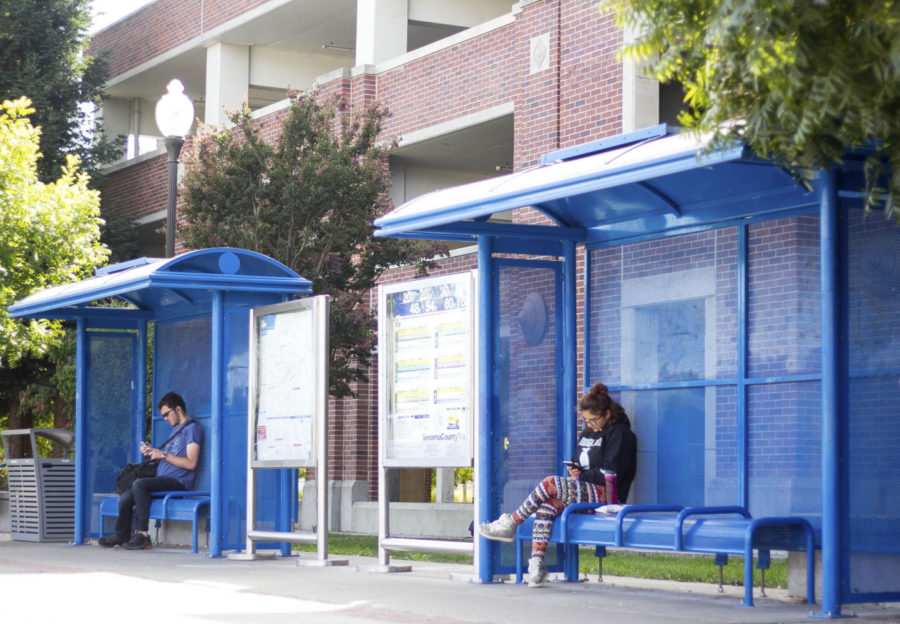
168 495
632 509
698 511
568 511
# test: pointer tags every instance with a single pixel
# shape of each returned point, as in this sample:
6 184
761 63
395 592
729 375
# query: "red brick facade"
162 26
138 190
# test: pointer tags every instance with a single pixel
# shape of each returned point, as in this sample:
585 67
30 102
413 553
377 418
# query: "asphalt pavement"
48 583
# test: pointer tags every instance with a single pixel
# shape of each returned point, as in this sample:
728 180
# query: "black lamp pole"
173 147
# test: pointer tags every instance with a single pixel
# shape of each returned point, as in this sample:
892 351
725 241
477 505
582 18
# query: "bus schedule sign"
426 372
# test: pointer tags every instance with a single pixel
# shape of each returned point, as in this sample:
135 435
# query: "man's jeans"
134 504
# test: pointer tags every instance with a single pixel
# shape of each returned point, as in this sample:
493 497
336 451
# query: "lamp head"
174 111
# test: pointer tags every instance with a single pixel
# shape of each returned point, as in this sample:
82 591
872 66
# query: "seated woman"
606 444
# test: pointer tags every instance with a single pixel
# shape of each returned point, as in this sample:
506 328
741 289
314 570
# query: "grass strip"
659 566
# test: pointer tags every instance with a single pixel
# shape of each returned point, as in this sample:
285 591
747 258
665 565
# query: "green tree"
50 232
797 80
43 57
308 200
50 236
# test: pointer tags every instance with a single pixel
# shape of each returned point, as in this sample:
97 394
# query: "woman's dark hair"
597 401
173 400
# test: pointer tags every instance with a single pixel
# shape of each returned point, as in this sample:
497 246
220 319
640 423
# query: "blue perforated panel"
111 403
872 491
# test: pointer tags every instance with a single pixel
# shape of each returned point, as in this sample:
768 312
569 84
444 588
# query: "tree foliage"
798 80
50 232
42 57
308 200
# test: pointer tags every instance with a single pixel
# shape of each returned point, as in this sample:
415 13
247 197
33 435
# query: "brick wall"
162 26
136 190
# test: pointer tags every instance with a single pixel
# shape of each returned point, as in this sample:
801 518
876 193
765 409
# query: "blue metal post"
138 418
831 495
569 378
217 465
82 496
483 471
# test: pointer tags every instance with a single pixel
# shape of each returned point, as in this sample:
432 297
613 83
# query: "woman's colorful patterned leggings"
548 500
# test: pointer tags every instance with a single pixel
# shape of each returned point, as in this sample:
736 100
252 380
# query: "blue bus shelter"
748 323
195 308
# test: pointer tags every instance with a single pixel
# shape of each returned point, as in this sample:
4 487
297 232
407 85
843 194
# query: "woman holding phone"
606 444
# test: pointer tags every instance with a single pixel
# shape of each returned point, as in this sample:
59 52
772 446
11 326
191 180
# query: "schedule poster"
426 326
286 382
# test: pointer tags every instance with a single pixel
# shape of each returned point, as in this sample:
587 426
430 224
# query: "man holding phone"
176 470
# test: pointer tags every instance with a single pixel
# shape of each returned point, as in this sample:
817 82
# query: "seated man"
177 471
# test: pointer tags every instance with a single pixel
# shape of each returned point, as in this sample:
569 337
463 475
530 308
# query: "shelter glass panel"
110 404
527 370
665 310
784 447
687 445
663 313
871 496
783 314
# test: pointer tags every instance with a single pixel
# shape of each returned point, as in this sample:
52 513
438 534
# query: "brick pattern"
162 26
783 315
137 190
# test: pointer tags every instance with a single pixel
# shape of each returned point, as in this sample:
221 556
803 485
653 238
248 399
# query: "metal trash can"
41 489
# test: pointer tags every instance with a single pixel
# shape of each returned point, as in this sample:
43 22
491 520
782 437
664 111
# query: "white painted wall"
466 13
279 69
409 182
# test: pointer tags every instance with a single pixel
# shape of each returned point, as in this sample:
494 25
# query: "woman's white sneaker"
537 572
503 529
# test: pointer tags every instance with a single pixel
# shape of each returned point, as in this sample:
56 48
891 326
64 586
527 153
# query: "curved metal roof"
160 287
646 182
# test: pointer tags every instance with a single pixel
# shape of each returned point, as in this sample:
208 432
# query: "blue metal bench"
186 505
673 528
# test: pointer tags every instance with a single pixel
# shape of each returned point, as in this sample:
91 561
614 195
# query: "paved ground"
57 583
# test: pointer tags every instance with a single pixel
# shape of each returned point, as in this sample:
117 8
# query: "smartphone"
571 464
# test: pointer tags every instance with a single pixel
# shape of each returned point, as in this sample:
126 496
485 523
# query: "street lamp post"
174 116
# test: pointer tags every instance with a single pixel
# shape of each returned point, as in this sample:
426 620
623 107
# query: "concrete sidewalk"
53 583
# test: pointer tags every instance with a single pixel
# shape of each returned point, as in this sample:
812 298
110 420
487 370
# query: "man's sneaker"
537 572
503 529
139 541
111 541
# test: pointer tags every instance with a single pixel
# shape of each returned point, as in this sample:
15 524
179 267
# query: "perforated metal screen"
872 480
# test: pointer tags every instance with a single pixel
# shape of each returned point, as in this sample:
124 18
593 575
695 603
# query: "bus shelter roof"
161 287
631 186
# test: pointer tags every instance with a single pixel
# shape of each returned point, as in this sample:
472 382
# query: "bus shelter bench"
721 531
186 505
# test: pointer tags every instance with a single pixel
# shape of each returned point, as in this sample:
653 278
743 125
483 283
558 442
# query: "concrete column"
123 117
443 487
640 94
381 27
227 80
